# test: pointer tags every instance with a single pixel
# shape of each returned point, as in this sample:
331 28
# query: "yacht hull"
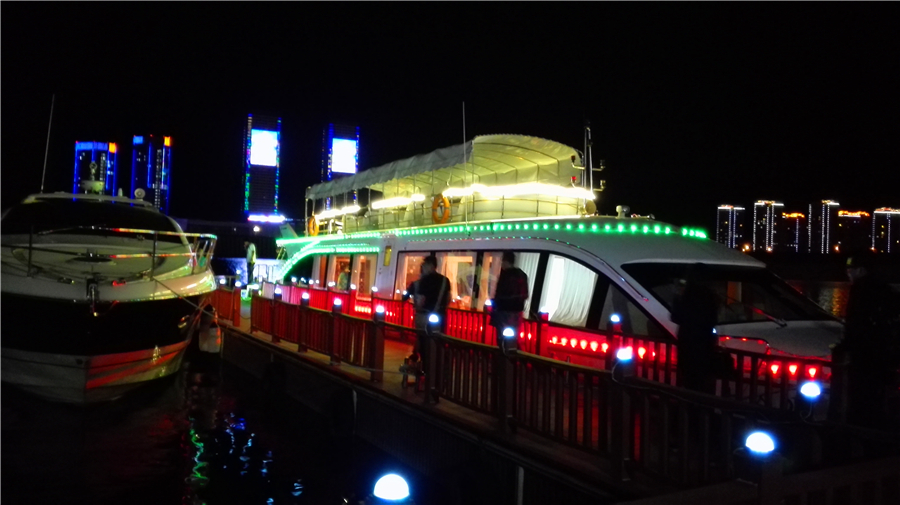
93 358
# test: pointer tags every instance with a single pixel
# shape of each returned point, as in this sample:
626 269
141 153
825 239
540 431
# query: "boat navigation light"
277 290
509 333
379 309
811 390
337 302
625 354
222 280
305 296
487 303
433 319
615 318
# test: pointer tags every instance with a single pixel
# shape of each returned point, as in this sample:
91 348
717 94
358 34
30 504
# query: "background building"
792 232
340 156
95 168
854 230
885 239
765 224
262 142
822 222
730 225
151 169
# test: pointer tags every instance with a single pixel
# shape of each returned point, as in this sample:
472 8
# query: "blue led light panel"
263 148
343 156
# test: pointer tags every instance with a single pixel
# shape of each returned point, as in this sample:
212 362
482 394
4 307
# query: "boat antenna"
589 165
47 148
465 164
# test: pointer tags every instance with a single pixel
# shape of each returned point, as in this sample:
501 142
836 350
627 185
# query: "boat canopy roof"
490 160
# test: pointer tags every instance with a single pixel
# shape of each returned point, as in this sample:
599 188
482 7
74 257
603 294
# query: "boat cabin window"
339 272
409 269
487 277
631 319
319 272
568 289
364 274
745 294
459 268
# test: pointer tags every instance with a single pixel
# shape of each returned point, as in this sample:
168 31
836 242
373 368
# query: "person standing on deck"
251 259
509 297
431 295
695 313
870 345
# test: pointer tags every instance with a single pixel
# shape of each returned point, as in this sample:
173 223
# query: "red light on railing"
553 340
594 346
641 352
792 369
564 341
744 339
584 344
604 347
521 334
812 372
529 336
774 368
573 342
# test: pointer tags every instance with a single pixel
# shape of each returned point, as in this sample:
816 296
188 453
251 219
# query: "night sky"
692 105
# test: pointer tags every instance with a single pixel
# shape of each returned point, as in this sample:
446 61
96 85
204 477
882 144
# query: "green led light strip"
594 228
312 249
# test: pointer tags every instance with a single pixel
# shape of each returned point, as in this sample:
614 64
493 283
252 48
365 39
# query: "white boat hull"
88 379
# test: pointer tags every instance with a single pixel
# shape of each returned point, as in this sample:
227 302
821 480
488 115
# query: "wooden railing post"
274 322
335 327
376 346
304 329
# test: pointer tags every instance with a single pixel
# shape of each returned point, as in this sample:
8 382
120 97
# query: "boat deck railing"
201 246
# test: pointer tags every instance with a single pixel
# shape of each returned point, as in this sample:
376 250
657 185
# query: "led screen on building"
263 148
343 156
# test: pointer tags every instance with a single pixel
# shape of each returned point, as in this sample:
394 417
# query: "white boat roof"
488 159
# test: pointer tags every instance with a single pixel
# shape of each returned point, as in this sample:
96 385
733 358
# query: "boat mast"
465 165
47 148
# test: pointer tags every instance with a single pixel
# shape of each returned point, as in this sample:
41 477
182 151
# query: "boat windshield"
58 215
745 294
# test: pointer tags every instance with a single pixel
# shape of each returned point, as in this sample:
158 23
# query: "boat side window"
568 290
486 277
364 274
459 268
319 271
744 294
632 319
339 272
409 267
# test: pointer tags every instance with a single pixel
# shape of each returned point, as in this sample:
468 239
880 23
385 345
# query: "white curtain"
528 262
568 288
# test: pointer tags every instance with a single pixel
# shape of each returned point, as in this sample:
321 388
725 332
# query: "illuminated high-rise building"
885 238
151 169
822 223
853 231
95 168
730 225
793 234
262 161
340 154
765 223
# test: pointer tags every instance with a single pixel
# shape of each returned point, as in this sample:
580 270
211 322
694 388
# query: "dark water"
202 436
831 296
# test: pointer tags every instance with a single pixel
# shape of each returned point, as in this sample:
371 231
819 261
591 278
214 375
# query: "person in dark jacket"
695 313
509 297
430 295
869 346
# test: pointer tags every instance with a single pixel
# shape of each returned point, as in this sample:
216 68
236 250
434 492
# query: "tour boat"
468 204
99 295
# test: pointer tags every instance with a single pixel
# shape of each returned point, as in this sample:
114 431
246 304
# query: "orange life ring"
436 203
312 226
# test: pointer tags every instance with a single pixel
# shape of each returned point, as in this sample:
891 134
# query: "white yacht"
468 204
99 295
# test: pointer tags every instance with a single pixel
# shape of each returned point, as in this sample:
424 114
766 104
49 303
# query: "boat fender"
312 226
440 201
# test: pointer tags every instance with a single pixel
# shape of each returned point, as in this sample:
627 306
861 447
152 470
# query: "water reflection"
831 296
198 437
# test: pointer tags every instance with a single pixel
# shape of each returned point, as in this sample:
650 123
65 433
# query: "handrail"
202 241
